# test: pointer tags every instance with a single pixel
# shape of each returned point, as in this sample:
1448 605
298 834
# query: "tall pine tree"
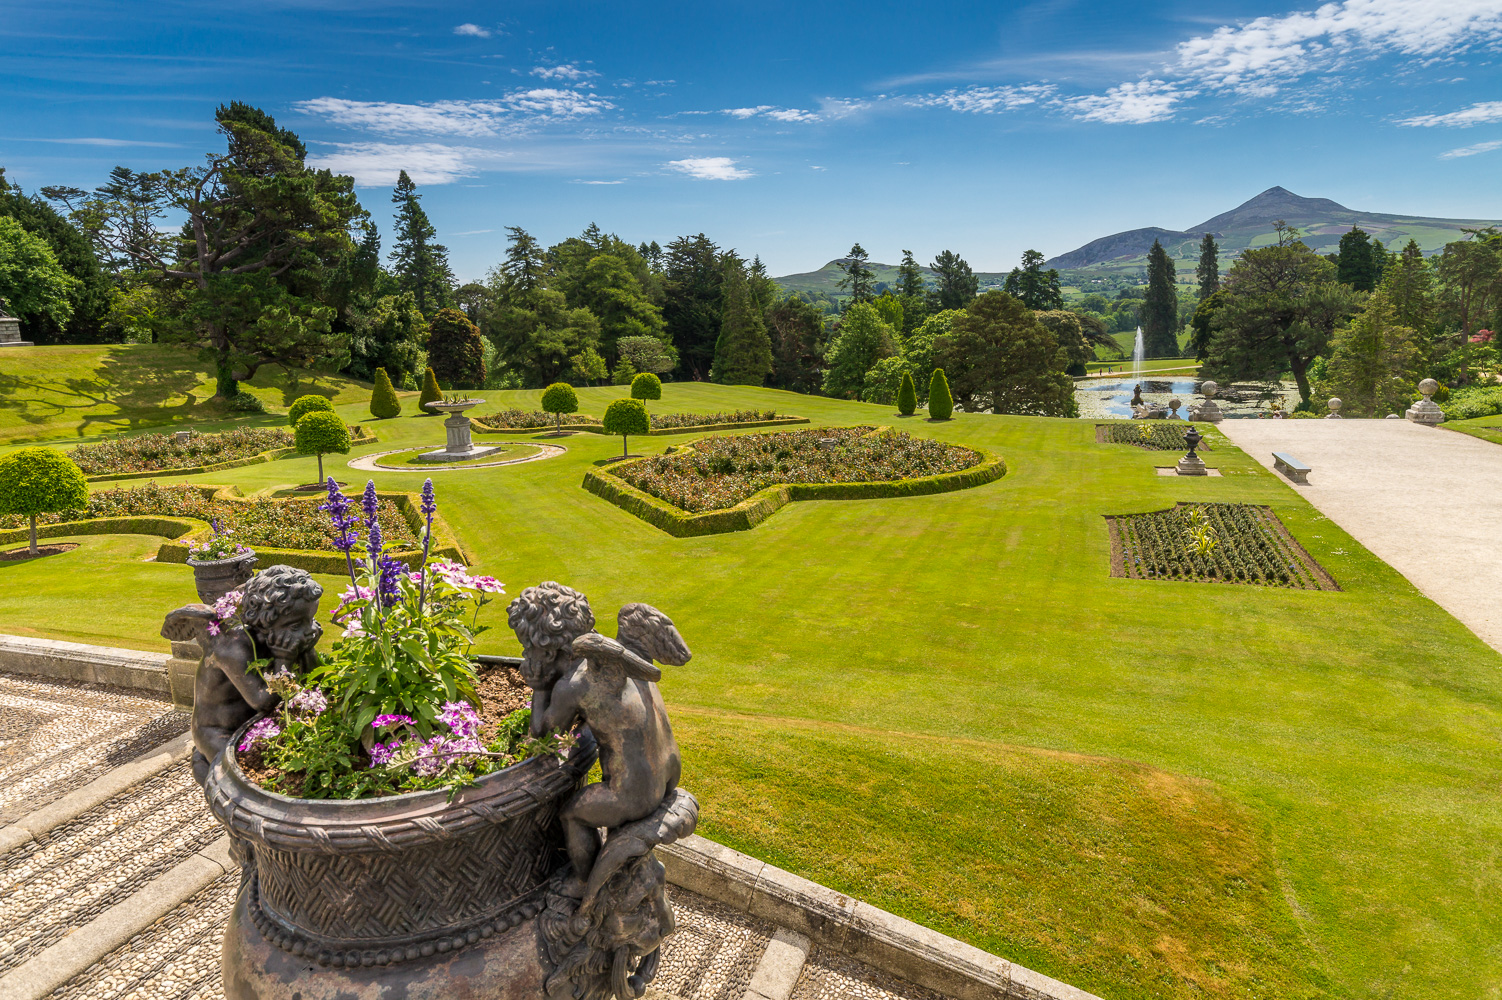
1160 306
859 280
691 303
1037 288
421 265
743 352
1359 260
958 285
1208 270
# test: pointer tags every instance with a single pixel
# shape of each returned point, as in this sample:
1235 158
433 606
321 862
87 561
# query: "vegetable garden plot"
1213 543
1152 435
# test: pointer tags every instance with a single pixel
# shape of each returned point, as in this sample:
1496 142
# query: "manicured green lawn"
509 451
1485 428
946 706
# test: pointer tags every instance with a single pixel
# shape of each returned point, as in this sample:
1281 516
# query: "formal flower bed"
396 706
524 420
720 472
1150 435
1213 543
286 524
527 420
156 452
668 421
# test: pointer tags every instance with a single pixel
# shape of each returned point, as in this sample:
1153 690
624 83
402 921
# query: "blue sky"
788 130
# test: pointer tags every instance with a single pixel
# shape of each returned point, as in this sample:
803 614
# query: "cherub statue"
276 621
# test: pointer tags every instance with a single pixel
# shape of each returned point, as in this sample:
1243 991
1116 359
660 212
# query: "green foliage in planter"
907 396
940 402
38 481
430 392
626 417
558 399
646 386
383 402
320 433
308 404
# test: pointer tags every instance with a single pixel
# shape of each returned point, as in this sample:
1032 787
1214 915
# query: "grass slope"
53 392
1485 428
946 705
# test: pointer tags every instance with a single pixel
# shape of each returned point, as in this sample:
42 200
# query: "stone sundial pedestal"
461 447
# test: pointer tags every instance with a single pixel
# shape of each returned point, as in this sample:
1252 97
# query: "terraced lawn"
947 706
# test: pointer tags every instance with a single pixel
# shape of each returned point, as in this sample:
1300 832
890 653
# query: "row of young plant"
1150 435
721 471
1229 543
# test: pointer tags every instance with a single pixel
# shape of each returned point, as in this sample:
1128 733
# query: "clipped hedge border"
764 503
180 532
358 436
695 429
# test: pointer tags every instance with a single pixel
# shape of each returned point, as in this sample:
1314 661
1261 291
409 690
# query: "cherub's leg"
596 806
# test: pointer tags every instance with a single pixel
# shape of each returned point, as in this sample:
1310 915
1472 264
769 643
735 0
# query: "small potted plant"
220 564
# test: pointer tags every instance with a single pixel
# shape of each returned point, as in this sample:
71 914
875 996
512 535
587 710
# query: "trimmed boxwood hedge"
357 436
600 428
180 532
764 503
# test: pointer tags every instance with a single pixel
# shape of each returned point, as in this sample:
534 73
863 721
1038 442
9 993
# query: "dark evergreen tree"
421 265
743 353
912 290
940 402
691 309
1359 260
88 300
1000 356
797 331
383 402
1208 269
525 267
455 353
957 285
907 395
1038 289
1409 283
859 280
1160 306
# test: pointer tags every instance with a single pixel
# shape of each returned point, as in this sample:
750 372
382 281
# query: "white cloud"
376 164
471 232
986 100
599 182
473 30
1480 147
1257 57
710 168
1130 103
1477 114
466 118
568 71
773 112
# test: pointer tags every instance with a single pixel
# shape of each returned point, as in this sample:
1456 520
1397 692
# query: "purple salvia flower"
429 505
344 538
429 501
369 502
392 571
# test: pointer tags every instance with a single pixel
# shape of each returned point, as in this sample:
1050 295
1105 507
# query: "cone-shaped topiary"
626 417
383 401
940 402
907 395
558 399
308 404
40 481
646 386
430 393
319 433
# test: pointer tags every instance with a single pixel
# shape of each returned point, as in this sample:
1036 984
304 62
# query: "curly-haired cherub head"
547 619
279 606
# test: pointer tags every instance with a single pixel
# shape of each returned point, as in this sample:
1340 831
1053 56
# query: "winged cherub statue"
275 614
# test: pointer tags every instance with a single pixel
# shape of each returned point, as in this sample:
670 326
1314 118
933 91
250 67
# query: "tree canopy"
1037 288
997 355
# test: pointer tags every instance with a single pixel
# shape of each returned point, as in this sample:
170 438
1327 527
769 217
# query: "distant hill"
826 279
1321 221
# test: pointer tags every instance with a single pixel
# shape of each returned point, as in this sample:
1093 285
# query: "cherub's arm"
235 666
558 706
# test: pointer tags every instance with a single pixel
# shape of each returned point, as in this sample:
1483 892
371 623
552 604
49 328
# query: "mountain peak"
1271 205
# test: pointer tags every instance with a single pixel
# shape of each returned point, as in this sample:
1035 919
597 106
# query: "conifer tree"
1359 260
743 353
421 265
431 393
1038 289
1160 306
940 402
907 396
455 350
957 284
383 402
1409 284
859 280
525 265
1208 269
911 289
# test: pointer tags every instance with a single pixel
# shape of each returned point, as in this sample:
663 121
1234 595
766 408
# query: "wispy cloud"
1477 114
1480 147
710 168
774 113
471 232
1130 103
986 100
94 141
473 30
599 182
374 164
464 118
569 71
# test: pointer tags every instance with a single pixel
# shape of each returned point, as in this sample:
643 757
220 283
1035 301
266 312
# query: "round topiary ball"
40 481
308 404
558 399
319 433
626 417
646 386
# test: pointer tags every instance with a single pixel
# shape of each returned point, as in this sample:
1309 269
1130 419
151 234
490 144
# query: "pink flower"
386 721
460 717
261 732
213 628
489 584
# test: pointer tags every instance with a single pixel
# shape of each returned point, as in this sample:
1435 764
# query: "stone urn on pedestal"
1209 410
1426 410
461 446
214 578
1191 464
1334 406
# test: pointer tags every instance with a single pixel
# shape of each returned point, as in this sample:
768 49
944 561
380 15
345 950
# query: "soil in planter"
24 553
501 692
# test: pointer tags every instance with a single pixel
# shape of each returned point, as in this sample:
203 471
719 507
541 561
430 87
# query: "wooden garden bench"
1291 467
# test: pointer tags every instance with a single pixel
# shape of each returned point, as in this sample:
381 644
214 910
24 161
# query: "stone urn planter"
461 446
216 577
414 893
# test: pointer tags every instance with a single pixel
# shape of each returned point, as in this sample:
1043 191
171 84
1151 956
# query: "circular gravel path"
367 463
1422 499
